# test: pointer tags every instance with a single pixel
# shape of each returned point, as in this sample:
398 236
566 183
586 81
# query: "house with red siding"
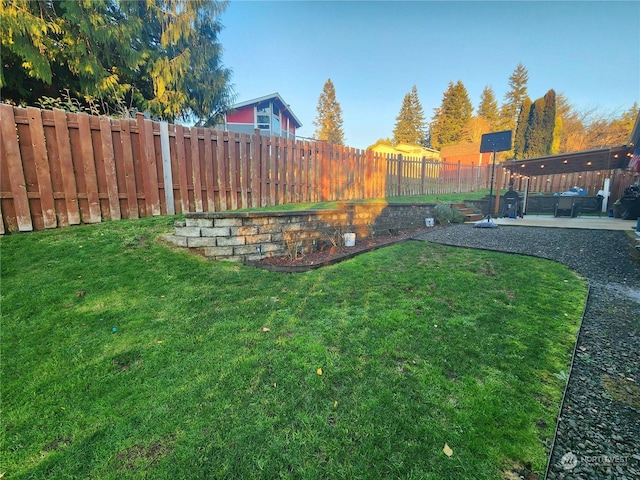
271 114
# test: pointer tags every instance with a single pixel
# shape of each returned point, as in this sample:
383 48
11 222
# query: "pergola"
609 158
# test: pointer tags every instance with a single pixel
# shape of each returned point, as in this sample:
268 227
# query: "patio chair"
565 206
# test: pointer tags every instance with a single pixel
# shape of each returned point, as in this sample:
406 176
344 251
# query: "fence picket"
11 152
89 166
110 168
66 167
196 169
182 169
222 177
43 172
129 169
208 171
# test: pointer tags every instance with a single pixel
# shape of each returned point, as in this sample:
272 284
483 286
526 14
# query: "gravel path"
598 434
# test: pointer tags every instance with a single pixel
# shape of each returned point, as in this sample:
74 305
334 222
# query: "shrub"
444 214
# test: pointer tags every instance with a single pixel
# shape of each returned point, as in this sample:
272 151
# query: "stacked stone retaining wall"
242 236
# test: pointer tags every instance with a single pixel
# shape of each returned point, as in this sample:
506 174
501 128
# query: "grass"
123 358
435 198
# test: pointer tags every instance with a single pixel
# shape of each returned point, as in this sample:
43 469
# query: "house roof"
610 158
460 149
277 99
406 149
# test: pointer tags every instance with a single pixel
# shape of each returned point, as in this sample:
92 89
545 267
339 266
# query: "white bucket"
429 222
349 239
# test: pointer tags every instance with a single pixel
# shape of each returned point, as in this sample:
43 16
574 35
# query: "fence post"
166 168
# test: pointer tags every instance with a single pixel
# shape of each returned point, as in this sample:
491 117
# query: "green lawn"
124 358
434 198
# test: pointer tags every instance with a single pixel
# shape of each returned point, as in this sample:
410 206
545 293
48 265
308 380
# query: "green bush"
444 214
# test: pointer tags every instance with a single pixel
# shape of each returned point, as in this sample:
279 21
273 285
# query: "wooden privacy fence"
59 168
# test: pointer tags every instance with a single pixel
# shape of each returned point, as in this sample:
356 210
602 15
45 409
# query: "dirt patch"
144 456
331 255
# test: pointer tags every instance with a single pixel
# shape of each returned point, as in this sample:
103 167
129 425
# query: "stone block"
253 239
256 221
180 223
188 232
215 232
271 248
227 222
246 230
245 250
270 228
199 222
200 242
230 241
176 240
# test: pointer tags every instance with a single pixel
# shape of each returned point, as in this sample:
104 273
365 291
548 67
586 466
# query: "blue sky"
374 52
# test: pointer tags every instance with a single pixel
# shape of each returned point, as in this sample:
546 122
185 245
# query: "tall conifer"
488 107
328 121
513 98
410 123
451 117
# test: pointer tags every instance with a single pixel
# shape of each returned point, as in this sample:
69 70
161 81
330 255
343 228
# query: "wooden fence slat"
233 170
245 168
256 173
182 169
2 231
110 168
223 176
89 167
11 152
208 171
149 165
43 172
264 171
66 166
197 174
129 168
276 166
167 174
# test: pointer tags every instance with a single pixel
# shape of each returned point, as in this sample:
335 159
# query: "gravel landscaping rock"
598 430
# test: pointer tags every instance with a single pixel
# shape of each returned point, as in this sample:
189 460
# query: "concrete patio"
584 222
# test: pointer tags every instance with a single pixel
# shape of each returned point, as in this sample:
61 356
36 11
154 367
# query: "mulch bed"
330 256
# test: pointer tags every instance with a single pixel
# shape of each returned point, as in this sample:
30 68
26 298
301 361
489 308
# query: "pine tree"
513 98
410 123
451 117
488 107
328 121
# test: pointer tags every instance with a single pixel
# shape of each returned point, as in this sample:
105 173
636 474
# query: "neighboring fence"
59 168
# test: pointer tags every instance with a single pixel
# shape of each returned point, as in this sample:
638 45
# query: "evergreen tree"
488 108
513 98
542 120
451 117
328 121
161 56
522 125
410 123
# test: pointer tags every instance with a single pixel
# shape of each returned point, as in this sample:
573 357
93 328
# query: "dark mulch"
329 256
